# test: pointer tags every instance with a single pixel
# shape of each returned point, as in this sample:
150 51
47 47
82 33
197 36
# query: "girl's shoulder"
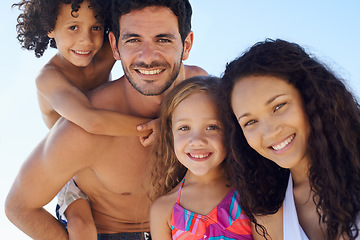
162 207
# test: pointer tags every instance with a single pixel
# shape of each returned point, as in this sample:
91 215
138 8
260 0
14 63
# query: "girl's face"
198 134
271 114
77 39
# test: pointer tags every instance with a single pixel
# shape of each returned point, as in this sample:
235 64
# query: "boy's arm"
160 217
74 105
52 163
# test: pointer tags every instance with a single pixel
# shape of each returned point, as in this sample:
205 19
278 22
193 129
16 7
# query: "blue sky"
223 30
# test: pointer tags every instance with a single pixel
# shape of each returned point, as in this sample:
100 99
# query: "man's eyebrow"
166 35
129 35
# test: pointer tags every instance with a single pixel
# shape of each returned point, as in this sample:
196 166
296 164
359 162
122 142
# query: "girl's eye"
249 123
213 127
184 128
277 107
73 28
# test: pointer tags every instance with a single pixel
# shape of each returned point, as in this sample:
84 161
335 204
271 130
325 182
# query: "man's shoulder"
108 93
191 71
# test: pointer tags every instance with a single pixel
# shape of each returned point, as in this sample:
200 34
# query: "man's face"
150 49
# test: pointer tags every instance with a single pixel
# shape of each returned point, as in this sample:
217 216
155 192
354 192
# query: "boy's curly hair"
333 145
39 18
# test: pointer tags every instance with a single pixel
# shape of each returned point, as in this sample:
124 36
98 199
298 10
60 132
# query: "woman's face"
272 117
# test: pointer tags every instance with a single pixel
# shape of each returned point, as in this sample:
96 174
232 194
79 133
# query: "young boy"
84 61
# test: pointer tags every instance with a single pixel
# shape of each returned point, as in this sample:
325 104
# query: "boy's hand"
152 125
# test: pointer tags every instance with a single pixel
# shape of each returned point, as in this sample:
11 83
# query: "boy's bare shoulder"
191 71
49 73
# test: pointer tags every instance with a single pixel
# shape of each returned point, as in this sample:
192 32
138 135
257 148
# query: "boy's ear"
188 45
113 45
50 34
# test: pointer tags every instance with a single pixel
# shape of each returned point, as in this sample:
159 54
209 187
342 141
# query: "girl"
190 169
296 144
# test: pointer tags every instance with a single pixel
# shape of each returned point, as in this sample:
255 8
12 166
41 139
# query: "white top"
292 229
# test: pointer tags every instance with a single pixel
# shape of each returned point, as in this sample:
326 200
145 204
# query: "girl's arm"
80 224
160 217
73 105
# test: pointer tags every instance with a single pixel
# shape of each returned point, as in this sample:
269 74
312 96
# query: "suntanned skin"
108 169
83 62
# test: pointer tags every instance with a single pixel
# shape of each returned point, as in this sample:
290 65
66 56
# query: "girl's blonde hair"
167 171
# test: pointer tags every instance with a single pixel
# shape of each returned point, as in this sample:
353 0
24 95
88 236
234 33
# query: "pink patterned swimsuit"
226 221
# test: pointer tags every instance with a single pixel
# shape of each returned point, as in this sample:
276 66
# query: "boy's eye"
249 123
97 28
277 107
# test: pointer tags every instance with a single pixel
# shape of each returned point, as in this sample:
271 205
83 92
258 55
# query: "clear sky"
329 29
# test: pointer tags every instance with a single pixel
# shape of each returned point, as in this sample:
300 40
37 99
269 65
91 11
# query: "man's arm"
65 151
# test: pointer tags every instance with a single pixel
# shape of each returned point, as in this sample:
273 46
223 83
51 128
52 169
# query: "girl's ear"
113 45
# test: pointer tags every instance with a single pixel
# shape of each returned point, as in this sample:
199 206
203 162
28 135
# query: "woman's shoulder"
273 224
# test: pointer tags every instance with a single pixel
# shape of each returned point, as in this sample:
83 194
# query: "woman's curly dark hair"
333 145
39 18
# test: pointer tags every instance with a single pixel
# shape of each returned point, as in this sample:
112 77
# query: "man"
151 40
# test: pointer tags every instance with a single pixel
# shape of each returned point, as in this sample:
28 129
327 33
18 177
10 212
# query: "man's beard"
160 90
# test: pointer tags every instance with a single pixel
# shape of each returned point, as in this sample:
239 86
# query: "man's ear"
113 45
188 45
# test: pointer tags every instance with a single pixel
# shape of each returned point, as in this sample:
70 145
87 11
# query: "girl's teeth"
284 143
199 156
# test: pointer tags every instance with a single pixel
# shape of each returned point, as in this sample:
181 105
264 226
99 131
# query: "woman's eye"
277 107
249 123
213 127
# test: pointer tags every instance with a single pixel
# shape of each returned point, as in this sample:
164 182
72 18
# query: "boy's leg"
68 194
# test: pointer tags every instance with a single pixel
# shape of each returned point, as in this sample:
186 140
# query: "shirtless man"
151 42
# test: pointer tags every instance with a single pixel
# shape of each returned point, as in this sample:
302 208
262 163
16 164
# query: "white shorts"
68 194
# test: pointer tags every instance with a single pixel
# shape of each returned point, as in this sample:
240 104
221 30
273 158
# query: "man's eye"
277 107
249 123
164 40
132 41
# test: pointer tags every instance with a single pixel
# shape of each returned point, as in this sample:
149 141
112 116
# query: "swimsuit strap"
179 191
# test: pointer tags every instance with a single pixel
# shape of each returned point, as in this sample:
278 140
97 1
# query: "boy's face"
79 38
150 49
